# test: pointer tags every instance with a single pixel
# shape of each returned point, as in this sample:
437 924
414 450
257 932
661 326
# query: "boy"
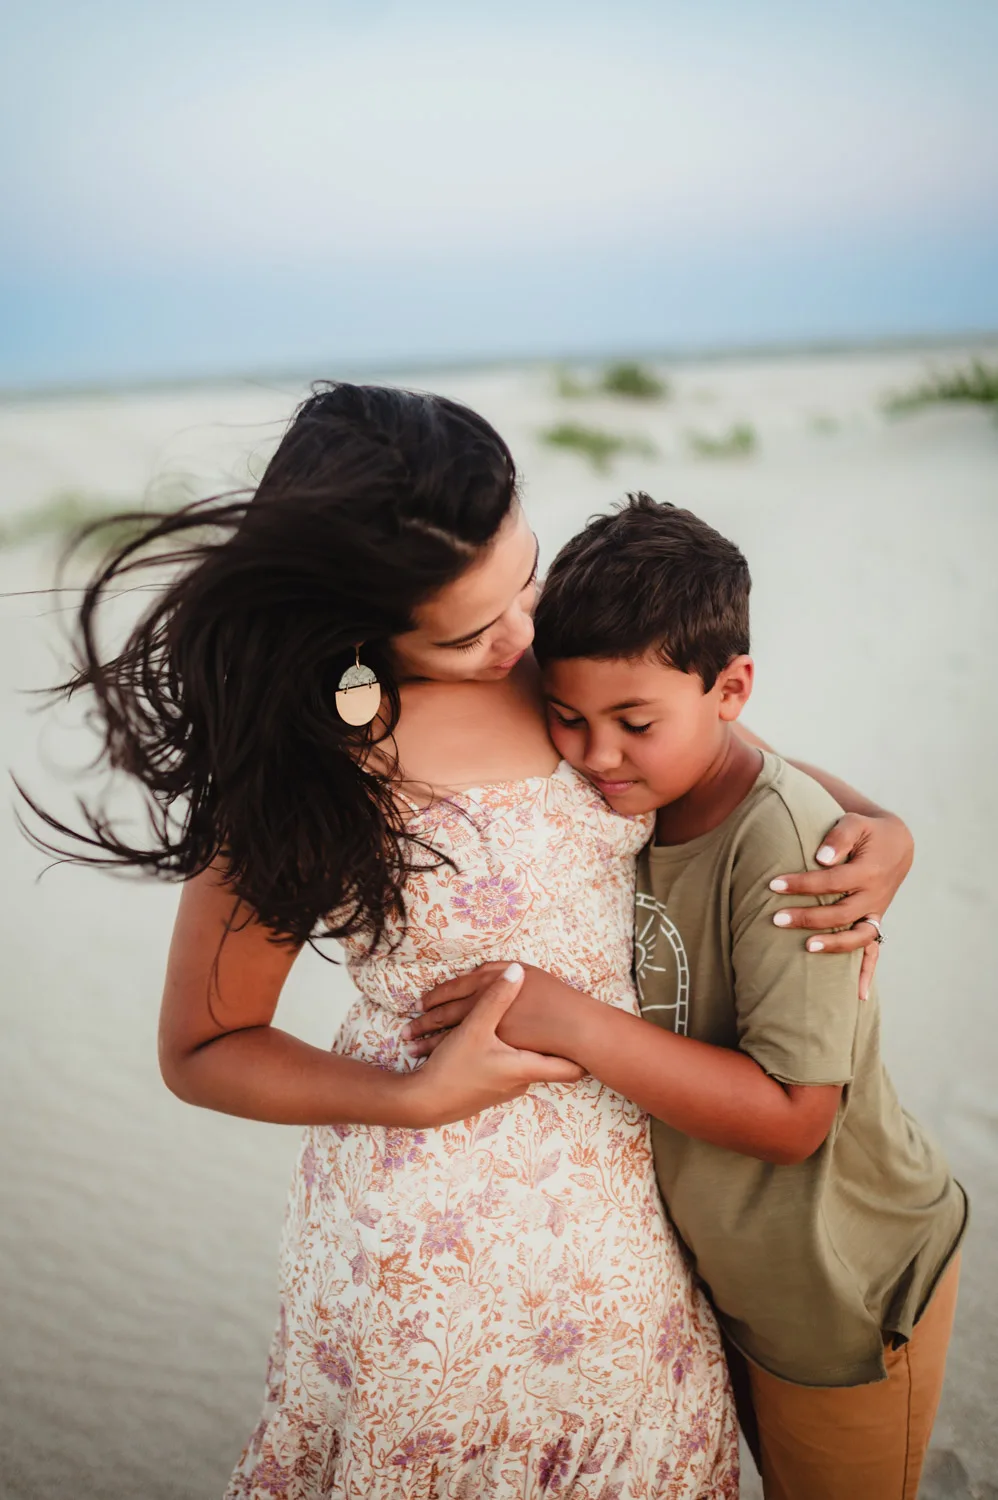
823 1222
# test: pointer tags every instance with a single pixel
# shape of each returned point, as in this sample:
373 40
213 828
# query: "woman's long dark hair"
221 703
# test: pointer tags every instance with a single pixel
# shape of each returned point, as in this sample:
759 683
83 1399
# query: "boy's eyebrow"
462 640
615 708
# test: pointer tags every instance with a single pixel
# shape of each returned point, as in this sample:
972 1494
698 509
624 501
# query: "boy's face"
643 733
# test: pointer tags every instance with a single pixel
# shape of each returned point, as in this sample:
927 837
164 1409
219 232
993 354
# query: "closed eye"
564 720
635 728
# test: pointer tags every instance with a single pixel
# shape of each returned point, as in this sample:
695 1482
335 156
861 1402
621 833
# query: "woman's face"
479 626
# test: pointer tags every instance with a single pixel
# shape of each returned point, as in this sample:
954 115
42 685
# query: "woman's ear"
734 686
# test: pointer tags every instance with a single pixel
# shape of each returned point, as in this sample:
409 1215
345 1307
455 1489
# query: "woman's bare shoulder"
469 733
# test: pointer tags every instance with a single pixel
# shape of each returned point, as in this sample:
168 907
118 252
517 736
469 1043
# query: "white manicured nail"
513 973
782 919
815 945
778 885
825 854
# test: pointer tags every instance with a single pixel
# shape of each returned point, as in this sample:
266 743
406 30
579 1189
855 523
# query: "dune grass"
68 514
634 381
595 443
975 381
738 442
626 378
569 386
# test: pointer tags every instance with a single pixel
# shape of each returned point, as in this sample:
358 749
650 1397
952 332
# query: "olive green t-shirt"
809 1266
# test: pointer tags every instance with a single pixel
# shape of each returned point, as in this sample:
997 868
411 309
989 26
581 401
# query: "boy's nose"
602 758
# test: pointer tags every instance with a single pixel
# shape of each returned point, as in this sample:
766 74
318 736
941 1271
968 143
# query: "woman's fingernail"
782 919
778 884
825 855
815 945
513 973
406 1033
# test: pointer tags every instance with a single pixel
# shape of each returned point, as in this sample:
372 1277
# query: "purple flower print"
489 903
557 1341
309 1167
669 1334
270 1477
422 1447
555 1461
333 1365
674 1343
401 1147
407 1332
444 1232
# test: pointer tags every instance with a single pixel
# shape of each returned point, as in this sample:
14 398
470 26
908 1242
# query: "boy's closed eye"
569 723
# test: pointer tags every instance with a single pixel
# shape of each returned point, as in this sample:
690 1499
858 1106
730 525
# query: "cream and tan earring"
358 696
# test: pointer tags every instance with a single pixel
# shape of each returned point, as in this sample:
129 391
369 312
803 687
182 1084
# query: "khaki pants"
864 1442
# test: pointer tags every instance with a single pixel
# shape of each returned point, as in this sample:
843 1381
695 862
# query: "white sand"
138 1236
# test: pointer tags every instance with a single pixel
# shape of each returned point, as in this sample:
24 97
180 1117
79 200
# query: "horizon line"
687 354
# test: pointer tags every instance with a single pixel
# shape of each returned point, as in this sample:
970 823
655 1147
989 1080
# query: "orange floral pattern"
496 1308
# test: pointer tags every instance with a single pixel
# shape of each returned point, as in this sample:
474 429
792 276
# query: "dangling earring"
358 696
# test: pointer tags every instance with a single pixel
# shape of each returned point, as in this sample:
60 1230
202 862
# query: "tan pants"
864 1442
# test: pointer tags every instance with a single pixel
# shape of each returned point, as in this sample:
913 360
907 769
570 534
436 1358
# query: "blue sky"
213 187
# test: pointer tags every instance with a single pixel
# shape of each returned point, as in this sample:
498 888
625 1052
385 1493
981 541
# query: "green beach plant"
975 381
569 386
628 378
594 443
738 442
99 521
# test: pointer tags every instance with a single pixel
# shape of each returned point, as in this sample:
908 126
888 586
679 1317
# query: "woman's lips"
507 666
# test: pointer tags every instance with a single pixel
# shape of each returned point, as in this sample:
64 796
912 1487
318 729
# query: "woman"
479 1291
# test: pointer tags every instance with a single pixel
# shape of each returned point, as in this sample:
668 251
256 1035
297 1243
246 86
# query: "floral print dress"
497 1308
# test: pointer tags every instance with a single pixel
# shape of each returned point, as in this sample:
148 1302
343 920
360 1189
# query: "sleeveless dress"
496 1308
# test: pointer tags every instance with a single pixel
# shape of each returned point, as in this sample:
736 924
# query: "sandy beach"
138 1237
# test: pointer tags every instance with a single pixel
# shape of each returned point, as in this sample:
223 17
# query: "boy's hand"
866 860
446 1006
471 1069
540 1021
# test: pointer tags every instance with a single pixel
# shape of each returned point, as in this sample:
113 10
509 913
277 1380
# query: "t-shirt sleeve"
796 1012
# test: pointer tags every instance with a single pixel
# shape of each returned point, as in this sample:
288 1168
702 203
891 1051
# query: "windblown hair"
647 577
221 703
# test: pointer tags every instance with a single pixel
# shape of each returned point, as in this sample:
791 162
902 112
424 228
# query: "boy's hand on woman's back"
866 858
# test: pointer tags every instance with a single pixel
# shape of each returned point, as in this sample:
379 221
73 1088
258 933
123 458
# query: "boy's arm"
777 1095
714 1094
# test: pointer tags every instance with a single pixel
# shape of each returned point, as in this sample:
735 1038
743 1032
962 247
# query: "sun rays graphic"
651 924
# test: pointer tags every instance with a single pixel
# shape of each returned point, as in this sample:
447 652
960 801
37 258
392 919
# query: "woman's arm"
867 856
218 1047
713 1094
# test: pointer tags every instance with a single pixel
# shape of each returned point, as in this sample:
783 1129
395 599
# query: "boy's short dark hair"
647 577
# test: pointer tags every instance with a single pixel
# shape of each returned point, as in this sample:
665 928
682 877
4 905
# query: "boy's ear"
734 685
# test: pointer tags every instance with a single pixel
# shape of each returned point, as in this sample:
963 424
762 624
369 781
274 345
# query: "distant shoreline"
361 369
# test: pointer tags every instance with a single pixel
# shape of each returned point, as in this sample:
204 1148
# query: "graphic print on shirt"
658 949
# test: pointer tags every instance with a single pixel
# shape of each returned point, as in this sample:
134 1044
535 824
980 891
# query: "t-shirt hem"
902 1334
841 1076
865 1372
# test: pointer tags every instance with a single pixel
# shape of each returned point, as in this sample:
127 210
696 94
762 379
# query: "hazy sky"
213 185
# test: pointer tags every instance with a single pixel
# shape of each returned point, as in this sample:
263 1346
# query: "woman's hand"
866 859
471 1069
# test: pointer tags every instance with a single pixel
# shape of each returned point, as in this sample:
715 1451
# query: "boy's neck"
727 781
